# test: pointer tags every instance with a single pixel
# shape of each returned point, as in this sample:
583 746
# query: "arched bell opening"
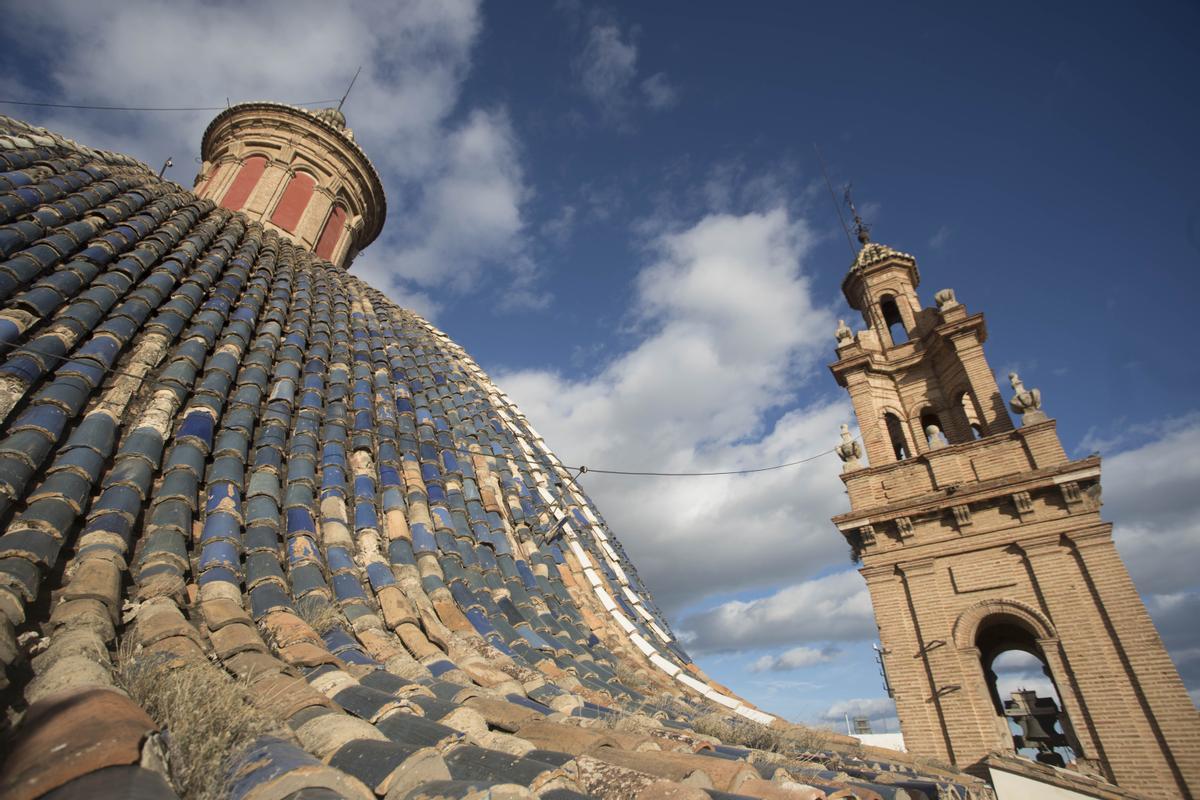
971 413
892 319
895 432
1023 691
933 432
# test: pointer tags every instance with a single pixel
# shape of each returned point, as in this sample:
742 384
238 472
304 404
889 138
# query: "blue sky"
616 209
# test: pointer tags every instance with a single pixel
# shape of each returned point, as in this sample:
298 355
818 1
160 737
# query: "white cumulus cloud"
835 607
729 333
795 658
468 216
1150 496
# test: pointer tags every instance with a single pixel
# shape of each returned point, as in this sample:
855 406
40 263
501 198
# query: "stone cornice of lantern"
296 139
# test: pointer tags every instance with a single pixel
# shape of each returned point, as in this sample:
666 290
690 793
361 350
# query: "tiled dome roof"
222 458
874 252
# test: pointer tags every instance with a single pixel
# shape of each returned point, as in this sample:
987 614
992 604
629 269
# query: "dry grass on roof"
205 714
631 676
795 743
321 614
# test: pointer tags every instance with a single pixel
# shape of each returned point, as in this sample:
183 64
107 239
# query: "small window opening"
896 435
1024 695
893 320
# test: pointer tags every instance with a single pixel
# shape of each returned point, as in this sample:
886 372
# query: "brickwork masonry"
976 537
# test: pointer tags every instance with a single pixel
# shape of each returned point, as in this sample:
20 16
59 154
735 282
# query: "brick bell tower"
978 538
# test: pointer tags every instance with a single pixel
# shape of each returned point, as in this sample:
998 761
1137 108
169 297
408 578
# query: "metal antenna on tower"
348 88
861 229
833 199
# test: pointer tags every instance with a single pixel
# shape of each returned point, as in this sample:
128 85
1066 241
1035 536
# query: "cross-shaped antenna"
861 229
348 88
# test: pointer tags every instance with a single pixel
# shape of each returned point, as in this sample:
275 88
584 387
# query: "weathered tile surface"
218 448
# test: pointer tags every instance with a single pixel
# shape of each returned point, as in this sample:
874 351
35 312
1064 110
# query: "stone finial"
334 117
934 437
843 334
849 451
1026 402
945 299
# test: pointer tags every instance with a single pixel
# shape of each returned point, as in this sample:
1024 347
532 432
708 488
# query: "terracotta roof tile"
65 736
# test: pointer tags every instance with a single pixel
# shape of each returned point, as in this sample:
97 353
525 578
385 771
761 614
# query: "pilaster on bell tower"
978 538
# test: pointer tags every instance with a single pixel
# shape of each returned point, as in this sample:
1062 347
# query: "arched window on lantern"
331 234
244 182
291 205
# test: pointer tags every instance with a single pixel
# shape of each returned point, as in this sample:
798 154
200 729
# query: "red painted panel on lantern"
332 233
295 199
247 178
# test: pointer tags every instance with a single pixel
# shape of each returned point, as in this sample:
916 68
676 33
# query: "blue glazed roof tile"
293 375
